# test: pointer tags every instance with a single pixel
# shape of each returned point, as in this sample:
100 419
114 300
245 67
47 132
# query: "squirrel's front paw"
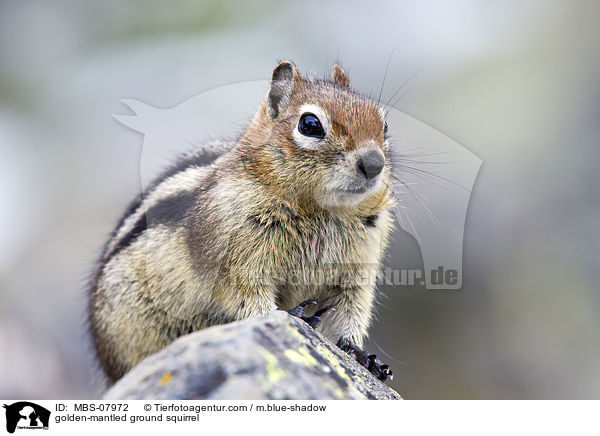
315 320
378 369
369 361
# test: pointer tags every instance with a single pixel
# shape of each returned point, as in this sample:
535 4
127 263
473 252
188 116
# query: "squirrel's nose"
370 163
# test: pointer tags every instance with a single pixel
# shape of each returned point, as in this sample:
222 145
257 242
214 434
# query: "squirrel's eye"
385 127
309 125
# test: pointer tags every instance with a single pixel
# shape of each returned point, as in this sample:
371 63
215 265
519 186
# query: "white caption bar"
288 418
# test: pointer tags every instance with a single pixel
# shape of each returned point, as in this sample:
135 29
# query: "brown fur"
260 225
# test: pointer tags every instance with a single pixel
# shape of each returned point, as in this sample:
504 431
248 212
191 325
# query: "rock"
275 356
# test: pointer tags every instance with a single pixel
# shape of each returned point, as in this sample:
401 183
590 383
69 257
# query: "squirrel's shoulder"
169 197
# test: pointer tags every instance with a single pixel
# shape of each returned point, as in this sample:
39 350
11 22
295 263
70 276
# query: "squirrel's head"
319 137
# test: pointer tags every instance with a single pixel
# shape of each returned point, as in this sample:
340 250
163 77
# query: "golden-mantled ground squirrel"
298 209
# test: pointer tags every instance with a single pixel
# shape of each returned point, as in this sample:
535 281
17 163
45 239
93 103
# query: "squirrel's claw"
315 320
370 361
379 370
322 310
299 309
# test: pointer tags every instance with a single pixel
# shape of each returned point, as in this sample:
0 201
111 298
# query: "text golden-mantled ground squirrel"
297 209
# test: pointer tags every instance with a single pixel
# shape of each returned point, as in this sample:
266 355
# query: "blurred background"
515 82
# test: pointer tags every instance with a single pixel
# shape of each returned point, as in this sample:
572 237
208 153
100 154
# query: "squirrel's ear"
339 77
282 83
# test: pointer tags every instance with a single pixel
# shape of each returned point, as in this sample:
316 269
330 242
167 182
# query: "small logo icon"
26 415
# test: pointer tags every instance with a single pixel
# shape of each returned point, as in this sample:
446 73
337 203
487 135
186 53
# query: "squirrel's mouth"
358 189
345 189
